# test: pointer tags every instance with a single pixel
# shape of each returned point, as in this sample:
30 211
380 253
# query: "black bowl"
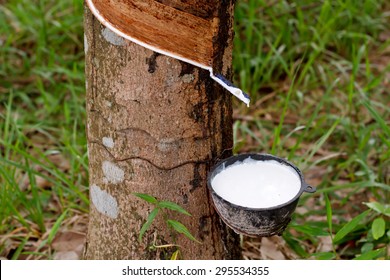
255 221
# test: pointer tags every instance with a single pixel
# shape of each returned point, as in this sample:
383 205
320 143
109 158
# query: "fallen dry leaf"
266 248
325 244
269 250
59 161
69 255
67 244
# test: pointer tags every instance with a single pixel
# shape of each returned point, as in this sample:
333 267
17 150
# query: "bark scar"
174 141
204 161
152 63
197 181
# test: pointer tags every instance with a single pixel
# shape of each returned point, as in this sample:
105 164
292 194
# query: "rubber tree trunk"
155 125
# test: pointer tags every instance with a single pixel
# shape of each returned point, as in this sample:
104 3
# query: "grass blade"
278 129
310 230
350 226
295 245
148 222
377 117
324 256
359 184
175 255
173 206
328 214
56 227
20 248
321 142
180 228
371 255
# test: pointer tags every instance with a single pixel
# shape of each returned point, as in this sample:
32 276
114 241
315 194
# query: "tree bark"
155 125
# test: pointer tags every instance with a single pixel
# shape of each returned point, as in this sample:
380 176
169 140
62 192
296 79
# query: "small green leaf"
173 206
148 222
376 206
378 228
328 213
180 228
146 197
387 212
350 226
367 247
56 227
371 255
175 255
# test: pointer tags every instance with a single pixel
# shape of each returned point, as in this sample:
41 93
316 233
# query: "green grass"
43 162
317 72
318 75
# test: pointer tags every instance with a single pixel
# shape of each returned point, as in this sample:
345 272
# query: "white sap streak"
108 142
112 37
112 172
257 184
104 202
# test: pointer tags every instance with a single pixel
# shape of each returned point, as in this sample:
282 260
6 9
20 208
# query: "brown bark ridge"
155 125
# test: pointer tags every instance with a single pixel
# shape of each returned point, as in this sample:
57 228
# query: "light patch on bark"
104 202
112 172
165 144
188 78
108 103
96 62
108 142
112 38
85 44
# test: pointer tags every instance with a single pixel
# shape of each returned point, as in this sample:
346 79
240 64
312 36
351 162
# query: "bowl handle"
309 188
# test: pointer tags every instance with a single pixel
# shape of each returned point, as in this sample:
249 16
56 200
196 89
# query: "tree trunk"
156 126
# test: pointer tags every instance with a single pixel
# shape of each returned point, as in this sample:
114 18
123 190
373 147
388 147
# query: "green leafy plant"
162 207
379 234
372 244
